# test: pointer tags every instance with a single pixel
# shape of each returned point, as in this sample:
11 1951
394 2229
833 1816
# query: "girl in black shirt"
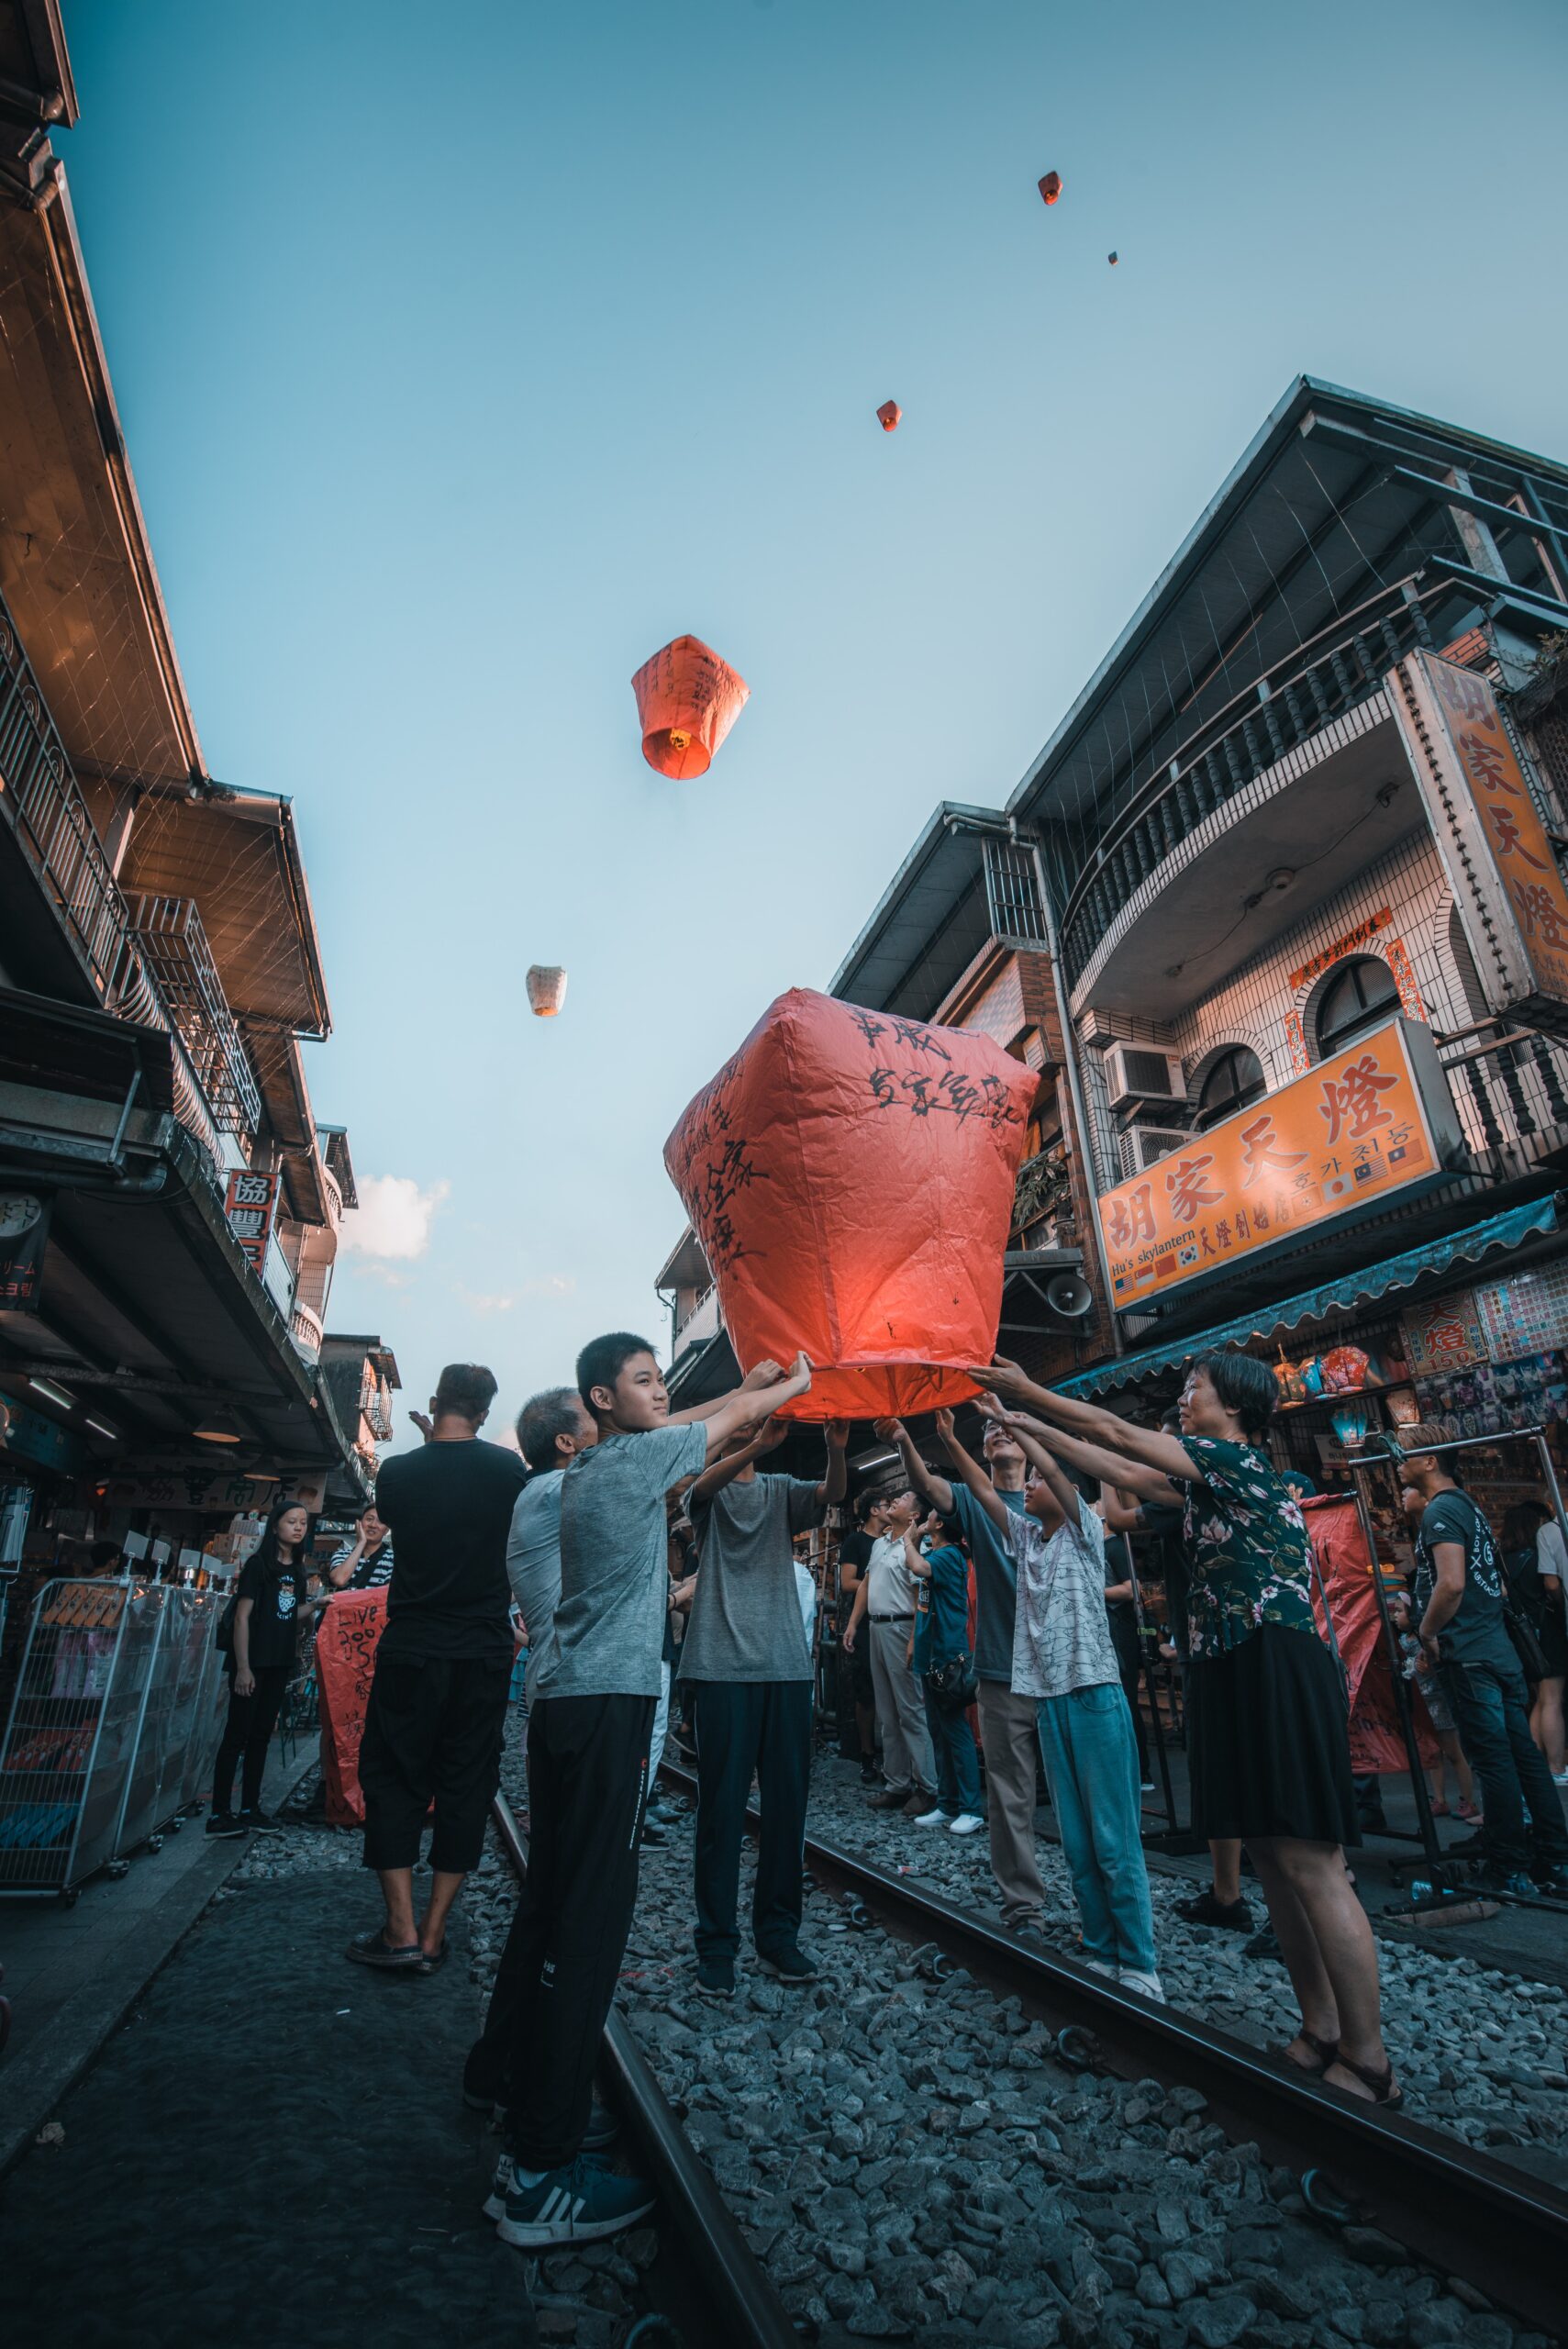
269 1605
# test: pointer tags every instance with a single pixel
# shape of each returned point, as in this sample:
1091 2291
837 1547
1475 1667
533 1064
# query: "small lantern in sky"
546 989
1050 186
687 700
1113 259
890 415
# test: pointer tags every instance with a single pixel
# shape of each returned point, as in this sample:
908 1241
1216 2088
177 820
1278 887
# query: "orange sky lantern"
889 415
850 1177
1050 186
1113 259
687 700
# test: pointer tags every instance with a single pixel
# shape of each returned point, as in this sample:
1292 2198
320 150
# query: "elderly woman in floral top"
1267 1725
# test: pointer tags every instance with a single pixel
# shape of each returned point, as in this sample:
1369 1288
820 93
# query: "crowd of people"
981 1594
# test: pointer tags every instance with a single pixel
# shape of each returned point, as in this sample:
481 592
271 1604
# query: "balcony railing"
42 800
702 1321
305 1329
173 944
1331 674
1510 1091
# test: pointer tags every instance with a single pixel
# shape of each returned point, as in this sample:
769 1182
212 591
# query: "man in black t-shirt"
437 1713
1464 1631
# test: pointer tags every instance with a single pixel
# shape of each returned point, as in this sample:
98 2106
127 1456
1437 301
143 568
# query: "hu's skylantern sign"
1498 859
1374 1122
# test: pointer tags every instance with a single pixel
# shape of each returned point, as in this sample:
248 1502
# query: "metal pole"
1429 1843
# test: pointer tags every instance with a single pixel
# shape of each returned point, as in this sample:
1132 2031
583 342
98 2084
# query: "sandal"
1385 2088
1326 2050
431 1958
1439 1806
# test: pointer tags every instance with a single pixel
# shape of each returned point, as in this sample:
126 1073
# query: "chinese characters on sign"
250 1205
24 1230
1360 1127
1499 862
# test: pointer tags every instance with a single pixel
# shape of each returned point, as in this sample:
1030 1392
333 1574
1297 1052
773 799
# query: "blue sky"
467 356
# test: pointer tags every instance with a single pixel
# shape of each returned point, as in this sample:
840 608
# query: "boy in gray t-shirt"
589 1724
749 1666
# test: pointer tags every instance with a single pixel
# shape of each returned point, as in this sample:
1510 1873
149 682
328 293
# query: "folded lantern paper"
850 1176
687 700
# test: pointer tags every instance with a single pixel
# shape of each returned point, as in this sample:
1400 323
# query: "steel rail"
1458 2210
718 2264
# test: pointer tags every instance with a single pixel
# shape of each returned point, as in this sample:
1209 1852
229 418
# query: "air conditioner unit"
1140 1073
1141 1146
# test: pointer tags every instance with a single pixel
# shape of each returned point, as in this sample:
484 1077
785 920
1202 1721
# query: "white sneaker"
1146 1786
1559 1777
1098 1965
932 1817
1147 1986
968 1822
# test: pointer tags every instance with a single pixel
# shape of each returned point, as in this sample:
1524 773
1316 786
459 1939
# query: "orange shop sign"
1498 859
1375 1122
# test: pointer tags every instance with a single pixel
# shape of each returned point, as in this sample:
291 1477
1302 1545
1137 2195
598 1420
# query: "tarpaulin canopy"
850 1176
1345 1295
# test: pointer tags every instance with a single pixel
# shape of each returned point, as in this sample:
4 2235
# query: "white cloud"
393 1217
502 1300
552 1284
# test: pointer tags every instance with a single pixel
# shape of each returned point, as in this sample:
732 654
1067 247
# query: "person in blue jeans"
1064 1656
941 1637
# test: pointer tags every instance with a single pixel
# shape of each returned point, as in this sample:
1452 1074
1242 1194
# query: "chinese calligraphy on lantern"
1353 1128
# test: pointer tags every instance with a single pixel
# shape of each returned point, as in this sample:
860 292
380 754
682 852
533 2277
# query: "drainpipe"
1070 1053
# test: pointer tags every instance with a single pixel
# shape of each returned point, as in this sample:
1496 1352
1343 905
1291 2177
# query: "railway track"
1456 2209
715 2293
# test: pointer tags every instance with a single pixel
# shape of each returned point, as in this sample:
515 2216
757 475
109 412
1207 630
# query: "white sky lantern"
546 989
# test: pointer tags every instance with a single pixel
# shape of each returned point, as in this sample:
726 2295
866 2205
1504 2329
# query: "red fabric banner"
352 1626
1335 1526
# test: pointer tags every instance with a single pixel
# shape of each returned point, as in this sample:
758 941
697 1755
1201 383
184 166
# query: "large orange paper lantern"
687 699
850 1176
890 415
1050 186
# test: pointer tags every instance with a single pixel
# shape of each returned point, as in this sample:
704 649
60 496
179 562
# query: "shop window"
1360 995
1236 1079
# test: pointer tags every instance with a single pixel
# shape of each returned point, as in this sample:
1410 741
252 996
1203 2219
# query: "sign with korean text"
1498 859
24 1230
1372 1123
249 1204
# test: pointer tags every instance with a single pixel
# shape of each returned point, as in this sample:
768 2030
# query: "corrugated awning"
1351 1290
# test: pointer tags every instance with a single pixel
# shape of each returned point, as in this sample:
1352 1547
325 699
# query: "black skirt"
1268 1740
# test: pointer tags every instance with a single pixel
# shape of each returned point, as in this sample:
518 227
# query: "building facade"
1279 917
169 1206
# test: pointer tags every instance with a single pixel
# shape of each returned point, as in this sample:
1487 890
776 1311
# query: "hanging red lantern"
850 1176
1050 186
890 415
687 699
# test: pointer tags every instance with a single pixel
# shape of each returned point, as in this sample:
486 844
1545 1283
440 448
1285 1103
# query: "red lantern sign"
687 700
889 415
1050 186
850 1176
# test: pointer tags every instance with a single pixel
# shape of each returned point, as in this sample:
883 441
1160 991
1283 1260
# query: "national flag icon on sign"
1400 1150
1336 1186
1187 1253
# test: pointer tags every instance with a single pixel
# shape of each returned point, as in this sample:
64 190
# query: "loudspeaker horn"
1067 1295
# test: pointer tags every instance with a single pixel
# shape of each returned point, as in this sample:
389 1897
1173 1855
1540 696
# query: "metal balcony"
1301 695
173 944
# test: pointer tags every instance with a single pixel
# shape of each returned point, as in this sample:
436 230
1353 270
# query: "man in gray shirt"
748 1660
590 1717
552 1428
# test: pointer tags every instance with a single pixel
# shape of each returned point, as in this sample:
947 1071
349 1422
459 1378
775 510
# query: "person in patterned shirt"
1267 1721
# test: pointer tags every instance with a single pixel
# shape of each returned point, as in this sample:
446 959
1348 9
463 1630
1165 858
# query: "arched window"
1360 994
1236 1079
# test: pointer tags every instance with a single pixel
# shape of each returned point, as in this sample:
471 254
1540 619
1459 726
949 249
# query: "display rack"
113 1727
